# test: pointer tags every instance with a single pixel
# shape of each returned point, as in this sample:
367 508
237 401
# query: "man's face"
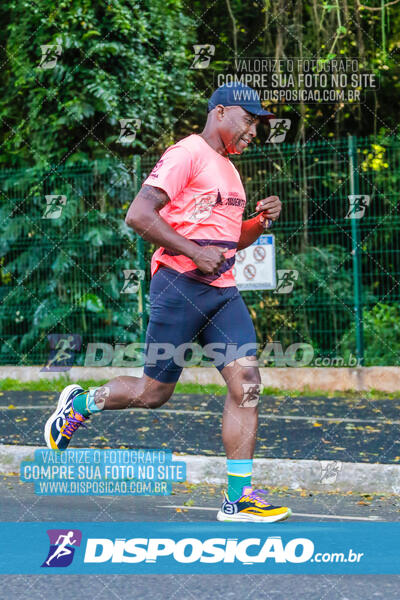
237 128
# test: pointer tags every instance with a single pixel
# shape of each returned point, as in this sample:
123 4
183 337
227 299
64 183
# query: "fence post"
137 182
356 252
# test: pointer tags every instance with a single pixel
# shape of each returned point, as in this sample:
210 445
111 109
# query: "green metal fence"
65 275
346 297
63 267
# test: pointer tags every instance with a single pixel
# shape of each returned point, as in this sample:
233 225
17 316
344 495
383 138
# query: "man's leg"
239 429
231 327
125 392
76 405
239 422
231 324
240 417
175 319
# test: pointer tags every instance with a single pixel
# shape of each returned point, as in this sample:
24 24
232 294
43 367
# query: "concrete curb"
304 474
294 474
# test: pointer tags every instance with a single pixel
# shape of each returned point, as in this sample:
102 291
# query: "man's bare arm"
143 216
269 208
250 232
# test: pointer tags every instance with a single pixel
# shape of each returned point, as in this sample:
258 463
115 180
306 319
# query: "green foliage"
381 335
64 275
124 59
313 312
119 60
131 59
322 290
319 31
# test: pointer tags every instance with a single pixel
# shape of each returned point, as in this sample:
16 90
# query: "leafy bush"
64 275
118 60
381 336
318 304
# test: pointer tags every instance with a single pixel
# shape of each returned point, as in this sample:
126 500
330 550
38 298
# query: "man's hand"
270 207
209 258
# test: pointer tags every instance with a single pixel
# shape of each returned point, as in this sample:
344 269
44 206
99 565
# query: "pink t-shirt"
207 201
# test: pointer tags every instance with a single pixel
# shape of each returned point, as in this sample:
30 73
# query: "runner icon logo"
54 206
251 394
63 349
132 280
278 130
330 471
129 128
62 547
202 55
50 54
286 280
357 207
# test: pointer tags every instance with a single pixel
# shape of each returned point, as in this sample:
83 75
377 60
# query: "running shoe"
251 506
65 420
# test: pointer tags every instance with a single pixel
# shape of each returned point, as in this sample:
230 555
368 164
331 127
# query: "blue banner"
140 548
78 472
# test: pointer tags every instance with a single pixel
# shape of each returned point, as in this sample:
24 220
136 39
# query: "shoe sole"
65 394
247 517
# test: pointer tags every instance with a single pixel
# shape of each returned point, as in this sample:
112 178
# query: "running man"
191 207
62 549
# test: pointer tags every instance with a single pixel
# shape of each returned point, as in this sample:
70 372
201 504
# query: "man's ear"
220 112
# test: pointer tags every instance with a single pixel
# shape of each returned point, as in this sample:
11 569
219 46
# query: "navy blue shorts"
186 313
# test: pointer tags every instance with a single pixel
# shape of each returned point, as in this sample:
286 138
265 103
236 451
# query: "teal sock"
239 475
84 403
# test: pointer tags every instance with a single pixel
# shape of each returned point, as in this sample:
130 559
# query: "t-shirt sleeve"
173 171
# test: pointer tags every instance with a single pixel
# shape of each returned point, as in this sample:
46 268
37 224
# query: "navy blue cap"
237 94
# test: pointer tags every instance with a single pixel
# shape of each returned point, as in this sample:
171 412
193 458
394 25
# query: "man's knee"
250 375
156 402
247 388
246 376
156 395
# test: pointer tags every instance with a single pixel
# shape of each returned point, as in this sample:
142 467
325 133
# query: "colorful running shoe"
64 421
252 507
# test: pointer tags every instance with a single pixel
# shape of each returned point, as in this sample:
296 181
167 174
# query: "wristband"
266 223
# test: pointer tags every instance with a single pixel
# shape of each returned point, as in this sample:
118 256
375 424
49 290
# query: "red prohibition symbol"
259 253
249 271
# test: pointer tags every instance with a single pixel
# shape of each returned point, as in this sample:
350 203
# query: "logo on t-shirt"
203 205
156 168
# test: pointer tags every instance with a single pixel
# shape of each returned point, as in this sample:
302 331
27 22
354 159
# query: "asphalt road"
193 503
343 429
201 587
351 430
188 502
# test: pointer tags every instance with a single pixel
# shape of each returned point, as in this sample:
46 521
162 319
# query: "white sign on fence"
254 267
